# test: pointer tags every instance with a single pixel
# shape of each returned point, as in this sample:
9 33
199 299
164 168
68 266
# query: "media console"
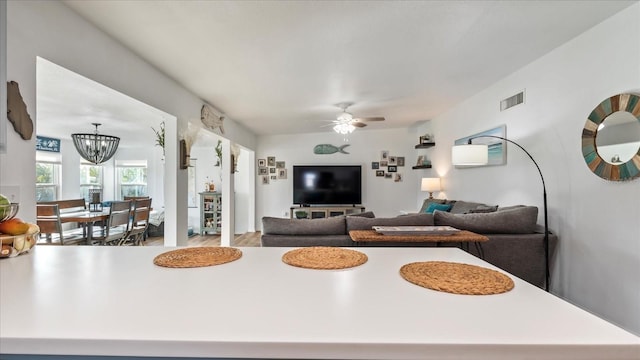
319 212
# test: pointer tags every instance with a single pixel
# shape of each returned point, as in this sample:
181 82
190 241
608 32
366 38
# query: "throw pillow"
520 220
427 202
440 207
462 207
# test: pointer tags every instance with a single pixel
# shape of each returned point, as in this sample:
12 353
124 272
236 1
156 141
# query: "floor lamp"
472 154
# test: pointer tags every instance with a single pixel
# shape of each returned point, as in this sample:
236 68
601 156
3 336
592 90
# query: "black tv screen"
327 184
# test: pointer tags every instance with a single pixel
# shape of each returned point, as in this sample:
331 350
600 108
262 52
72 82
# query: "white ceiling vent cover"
512 101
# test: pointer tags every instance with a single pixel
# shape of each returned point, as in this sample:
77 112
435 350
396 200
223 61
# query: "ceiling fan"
345 123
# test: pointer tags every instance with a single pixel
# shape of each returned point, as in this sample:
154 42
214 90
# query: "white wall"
597 221
51 30
382 196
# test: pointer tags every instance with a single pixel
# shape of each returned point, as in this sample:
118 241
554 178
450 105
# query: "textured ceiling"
279 67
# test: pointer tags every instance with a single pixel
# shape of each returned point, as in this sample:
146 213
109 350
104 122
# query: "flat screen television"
327 184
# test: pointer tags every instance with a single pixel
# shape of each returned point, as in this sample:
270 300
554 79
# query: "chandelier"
95 148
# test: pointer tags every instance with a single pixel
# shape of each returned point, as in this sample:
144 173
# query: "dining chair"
117 224
51 230
139 223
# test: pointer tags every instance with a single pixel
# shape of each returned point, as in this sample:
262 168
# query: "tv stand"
320 212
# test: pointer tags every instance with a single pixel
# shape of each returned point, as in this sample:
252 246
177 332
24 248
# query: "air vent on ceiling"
512 101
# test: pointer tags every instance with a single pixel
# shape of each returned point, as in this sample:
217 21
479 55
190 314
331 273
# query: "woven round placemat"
324 257
197 257
456 278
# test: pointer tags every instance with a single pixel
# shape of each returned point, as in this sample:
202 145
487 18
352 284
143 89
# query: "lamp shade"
430 184
470 154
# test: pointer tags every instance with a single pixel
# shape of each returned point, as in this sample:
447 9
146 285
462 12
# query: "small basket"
8 211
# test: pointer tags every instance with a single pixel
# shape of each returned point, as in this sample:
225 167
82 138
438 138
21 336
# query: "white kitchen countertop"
83 300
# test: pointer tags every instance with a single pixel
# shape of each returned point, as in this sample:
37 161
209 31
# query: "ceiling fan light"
344 128
345 117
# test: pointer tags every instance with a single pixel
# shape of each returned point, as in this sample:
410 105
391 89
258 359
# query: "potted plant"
160 137
301 214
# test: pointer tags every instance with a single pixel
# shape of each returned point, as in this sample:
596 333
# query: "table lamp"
431 185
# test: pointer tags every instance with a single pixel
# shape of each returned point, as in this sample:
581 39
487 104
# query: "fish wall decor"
326 149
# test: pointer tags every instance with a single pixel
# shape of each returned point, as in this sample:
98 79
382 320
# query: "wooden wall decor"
628 170
210 119
17 111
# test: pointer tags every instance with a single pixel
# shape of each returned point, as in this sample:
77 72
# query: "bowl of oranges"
17 236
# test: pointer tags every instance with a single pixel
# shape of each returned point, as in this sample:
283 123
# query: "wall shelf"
425 145
421 167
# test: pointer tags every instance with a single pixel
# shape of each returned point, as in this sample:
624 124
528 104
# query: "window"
47 181
90 178
131 178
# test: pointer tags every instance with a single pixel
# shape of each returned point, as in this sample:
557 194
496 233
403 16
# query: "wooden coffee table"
364 237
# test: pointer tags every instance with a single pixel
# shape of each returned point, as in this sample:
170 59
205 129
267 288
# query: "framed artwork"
273 177
282 173
384 163
400 160
271 160
420 160
384 155
265 180
388 176
392 169
393 160
497 147
379 172
263 171
375 165
262 163
279 164
398 177
272 170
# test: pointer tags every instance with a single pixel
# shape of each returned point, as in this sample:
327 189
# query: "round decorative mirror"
611 138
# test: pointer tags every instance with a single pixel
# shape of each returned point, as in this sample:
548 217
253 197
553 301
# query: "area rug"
197 257
324 258
456 278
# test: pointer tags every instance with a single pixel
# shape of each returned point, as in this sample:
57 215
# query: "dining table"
86 218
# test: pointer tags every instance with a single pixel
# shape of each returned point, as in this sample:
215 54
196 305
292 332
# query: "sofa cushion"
464 207
483 209
358 223
521 220
329 226
366 214
440 207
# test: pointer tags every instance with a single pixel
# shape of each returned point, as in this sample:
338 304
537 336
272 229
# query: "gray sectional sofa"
515 244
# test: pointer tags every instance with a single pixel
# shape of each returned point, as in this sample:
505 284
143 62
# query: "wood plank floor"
251 239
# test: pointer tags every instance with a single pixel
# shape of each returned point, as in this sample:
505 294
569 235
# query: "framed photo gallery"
387 167
270 169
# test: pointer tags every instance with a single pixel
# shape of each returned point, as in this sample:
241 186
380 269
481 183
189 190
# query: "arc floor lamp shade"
95 148
470 154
